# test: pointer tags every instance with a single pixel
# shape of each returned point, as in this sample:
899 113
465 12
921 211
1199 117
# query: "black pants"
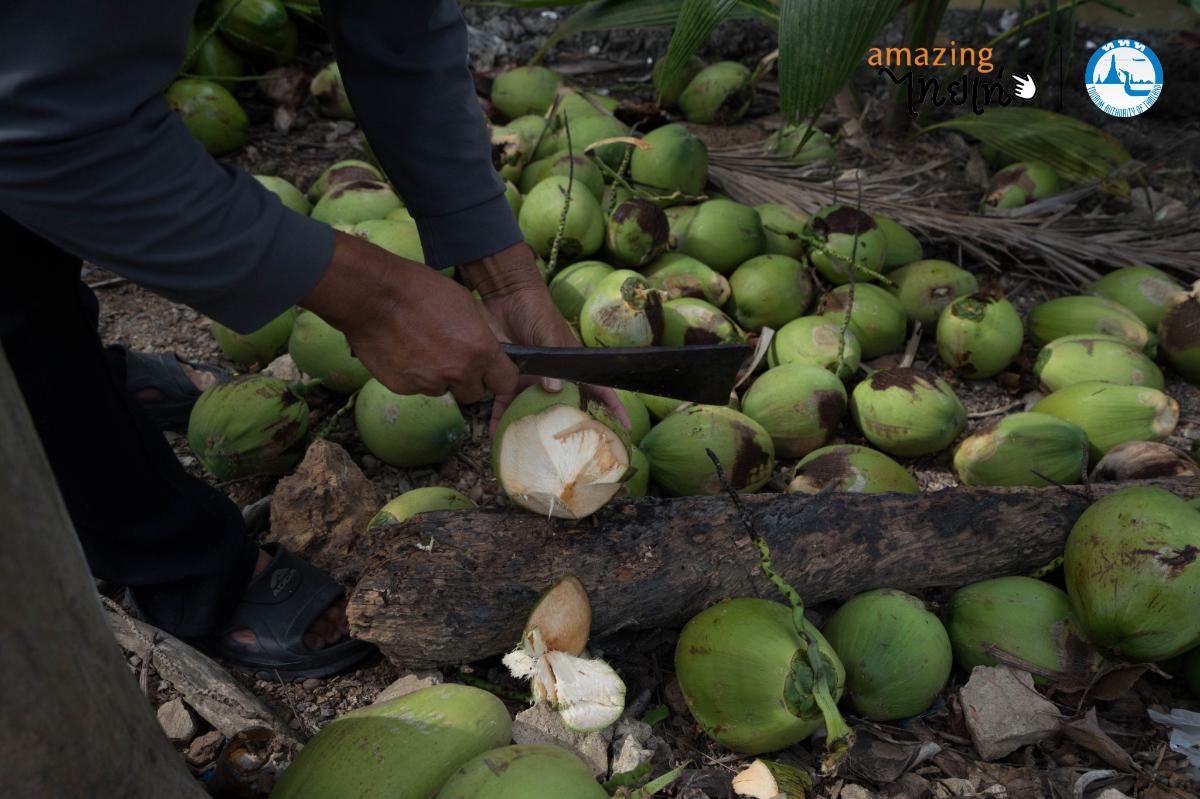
179 544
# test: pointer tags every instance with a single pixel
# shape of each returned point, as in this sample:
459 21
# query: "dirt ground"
620 62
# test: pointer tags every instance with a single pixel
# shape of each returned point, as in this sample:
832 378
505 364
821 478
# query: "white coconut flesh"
561 462
756 781
588 694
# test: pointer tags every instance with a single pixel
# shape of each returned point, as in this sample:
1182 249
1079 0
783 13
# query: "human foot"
328 628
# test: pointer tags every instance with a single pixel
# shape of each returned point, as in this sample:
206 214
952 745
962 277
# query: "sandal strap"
158 370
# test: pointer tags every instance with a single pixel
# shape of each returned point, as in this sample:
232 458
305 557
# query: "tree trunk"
655 562
74 722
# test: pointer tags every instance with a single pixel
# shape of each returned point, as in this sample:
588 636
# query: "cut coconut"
769 780
561 462
563 617
588 694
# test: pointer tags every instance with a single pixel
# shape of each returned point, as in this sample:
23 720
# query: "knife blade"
703 373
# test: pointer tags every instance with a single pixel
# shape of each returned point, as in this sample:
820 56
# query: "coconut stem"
562 220
617 176
839 736
333 420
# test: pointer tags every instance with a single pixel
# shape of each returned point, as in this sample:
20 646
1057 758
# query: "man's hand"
516 296
417 331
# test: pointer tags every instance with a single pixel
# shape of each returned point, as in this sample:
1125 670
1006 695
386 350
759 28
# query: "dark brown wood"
652 562
74 722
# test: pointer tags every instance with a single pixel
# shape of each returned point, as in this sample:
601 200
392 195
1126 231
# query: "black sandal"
162 372
279 606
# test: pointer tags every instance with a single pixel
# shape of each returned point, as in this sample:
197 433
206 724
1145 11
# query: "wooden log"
657 562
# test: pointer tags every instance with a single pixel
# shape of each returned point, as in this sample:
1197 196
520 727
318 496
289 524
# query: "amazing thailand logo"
1124 77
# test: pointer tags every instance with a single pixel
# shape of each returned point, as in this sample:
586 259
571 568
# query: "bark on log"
74 722
656 562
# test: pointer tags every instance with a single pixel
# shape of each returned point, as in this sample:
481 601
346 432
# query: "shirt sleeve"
404 65
92 159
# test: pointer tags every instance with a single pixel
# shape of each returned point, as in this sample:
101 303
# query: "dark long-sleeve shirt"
92 158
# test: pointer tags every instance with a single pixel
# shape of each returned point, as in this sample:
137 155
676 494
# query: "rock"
628 754
205 749
408 684
310 683
176 721
542 725
1004 712
283 368
1112 793
320 510
856 792
484 48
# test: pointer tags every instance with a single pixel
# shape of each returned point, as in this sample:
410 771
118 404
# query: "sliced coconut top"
563 617
756 781
561 462
588 694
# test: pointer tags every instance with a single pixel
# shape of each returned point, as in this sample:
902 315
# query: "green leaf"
821 42
695 23
1075 150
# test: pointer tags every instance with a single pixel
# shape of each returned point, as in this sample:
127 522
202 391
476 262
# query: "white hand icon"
1026 88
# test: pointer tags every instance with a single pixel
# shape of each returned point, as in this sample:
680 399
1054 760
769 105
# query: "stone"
283 368
628 754
176 721
408 684
1004 712
856 792
205 749
484 48
542 725
320 510
1112 793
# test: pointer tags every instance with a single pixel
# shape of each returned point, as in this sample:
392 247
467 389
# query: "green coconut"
799 405
622 310
1027 622
289 195
327 90
924 288
349 171
876 318
816 340
1133 574
979 335
260 347
786 230
210 113
511 150
852 469
248 425
681 275
660 407
668 92
636 233
1146 291
679 217
403 749
574 105
1083 315
638 483
743 673
1024 449
356 201
903 248
560 454
692 321
531 126
588 129
1108 359
639 415
724 234
769 291
579 168
675 162
795 143
1112 414
513 196
676 448
214 59
524 90
320 350
907 412
419 500
1179 331
1019 184
259 28
523 771
397 237
841 236
542 212
408 430
896 653
720 94
571 286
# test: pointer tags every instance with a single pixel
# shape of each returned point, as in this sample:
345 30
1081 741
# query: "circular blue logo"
1124 77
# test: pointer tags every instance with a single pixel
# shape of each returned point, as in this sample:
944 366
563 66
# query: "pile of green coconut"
639 251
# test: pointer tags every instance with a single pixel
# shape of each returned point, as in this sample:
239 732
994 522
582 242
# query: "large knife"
703 373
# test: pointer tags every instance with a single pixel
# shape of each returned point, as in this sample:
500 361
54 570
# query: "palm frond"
820 44
695 23
1077 151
